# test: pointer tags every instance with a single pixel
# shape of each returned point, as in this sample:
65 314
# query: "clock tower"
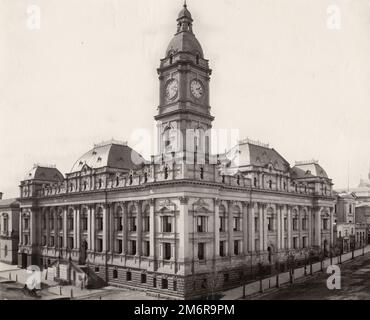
184 118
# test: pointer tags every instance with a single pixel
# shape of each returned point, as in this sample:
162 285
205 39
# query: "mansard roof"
110 154
249 153
44 173
308 169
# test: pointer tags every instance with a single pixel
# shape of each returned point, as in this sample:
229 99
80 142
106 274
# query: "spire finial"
185 4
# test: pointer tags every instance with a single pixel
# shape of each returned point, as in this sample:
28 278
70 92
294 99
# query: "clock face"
172 89
197 89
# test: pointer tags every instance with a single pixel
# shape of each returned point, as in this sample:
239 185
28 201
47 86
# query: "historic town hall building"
175 225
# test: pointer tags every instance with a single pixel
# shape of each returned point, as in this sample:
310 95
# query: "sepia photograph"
204 152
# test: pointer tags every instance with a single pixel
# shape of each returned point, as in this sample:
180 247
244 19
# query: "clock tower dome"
184 118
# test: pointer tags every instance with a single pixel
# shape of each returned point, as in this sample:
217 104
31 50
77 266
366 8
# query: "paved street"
11 290
355 285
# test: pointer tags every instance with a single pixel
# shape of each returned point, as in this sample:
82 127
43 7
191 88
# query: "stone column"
278 220
112 229
20 228
265 228
230 228
47 221
183 256
217 229
245 228
56 231
289 222
261 227
318 227
105 228
33 238
92 226
310 242
139 228
152 230
77 227
251 227
65 212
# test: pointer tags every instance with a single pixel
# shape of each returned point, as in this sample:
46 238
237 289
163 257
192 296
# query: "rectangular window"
70 225
295 224
120 247
164 284
237 224
146 224
60 242
201 224
166 224
132 247
222 249
43 224
167 251
304 242
120 224
256 224
270 225
84 223
52 242
132 224
222 224
201 251
304 224
143 278
128 276
146 251
70 243
285 224
99 245
236 248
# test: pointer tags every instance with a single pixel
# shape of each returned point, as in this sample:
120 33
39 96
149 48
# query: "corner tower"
184 106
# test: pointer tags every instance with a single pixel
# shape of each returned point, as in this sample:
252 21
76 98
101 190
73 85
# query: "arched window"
131 179
255 182
202 173
145 177
197 58
238 180
166 172
115 274
117 181
223 178
85 185
100 183
6 251
171 58
270 184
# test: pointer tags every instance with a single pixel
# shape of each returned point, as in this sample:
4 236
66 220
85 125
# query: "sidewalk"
270 283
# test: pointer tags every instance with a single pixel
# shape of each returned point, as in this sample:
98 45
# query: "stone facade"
9 226
171 225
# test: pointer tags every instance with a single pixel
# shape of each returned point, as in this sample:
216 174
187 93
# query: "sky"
291 73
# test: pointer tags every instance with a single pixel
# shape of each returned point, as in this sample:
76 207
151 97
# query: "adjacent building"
185 221
9 226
